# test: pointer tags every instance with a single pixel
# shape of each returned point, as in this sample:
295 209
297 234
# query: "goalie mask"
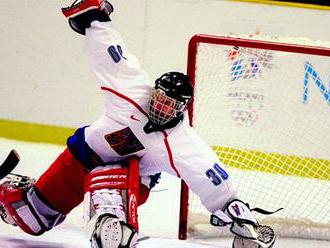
170 98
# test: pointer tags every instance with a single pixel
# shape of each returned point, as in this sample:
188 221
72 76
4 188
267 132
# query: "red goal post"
278 161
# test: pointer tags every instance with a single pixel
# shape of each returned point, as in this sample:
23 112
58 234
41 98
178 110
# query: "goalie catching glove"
248 232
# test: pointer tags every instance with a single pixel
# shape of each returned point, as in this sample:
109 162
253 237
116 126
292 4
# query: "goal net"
264 108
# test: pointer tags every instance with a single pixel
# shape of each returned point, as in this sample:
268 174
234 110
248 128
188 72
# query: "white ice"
158 217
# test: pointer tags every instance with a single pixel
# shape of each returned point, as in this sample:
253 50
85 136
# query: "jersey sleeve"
112 63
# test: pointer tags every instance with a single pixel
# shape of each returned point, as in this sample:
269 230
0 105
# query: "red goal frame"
191 69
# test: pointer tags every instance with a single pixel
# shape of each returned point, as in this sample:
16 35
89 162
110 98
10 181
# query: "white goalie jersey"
119 133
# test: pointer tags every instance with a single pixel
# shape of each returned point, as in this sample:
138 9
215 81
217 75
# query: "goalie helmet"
170 98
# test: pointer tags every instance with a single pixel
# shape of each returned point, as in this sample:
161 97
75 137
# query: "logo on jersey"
124 142
134 118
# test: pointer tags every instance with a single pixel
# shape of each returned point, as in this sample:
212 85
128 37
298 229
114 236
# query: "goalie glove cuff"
83 21
235 211
80 19
240 212
219 218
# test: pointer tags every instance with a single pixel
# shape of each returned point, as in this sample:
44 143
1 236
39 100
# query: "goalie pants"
62 185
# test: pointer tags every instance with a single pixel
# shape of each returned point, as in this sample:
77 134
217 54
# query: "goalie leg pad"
115 178
26 208
103 187
107 211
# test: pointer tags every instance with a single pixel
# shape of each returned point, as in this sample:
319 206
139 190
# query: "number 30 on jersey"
217 174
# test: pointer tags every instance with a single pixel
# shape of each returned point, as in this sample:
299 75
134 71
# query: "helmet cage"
162 108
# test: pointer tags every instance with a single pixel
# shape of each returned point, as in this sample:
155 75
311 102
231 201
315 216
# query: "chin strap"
153 127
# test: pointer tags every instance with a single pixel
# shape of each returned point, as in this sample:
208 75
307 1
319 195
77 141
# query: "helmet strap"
152 127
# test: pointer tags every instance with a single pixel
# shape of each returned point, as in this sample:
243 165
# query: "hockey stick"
9 164
143 238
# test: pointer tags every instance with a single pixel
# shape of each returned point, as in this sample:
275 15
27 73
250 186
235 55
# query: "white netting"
267 115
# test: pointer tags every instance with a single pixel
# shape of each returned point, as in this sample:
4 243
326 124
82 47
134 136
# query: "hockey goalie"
114 162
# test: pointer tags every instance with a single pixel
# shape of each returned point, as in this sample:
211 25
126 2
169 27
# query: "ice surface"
158 217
